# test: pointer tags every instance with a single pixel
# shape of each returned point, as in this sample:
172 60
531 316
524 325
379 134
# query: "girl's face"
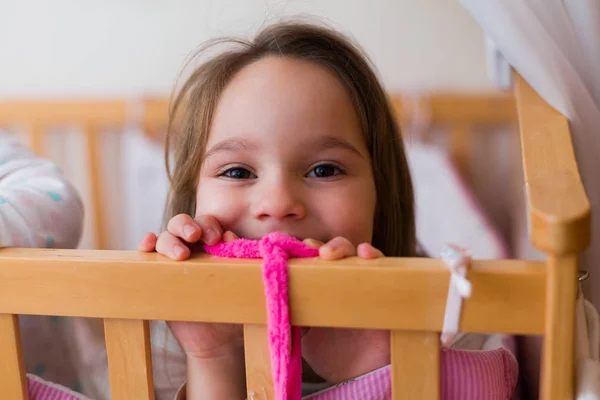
285 153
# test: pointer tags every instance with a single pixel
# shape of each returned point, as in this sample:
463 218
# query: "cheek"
349 214
221 202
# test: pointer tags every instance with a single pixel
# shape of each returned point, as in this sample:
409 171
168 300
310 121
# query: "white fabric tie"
457 260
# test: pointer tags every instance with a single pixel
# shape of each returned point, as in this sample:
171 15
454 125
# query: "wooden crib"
127 289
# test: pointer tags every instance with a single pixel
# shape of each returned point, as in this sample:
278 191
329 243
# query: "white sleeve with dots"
38 206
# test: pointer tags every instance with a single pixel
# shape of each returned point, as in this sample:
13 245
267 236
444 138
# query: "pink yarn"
284 340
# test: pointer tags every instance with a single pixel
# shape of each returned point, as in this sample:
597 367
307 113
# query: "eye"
238 173
325 171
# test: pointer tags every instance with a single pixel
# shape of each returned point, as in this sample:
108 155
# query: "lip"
300 238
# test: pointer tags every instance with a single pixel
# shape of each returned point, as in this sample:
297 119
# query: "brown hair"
195 103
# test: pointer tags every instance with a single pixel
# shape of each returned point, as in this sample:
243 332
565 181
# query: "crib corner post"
559 218
558 358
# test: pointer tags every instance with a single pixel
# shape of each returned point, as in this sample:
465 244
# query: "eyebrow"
332 142
321 143
233 144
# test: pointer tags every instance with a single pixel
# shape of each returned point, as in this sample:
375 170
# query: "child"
291 132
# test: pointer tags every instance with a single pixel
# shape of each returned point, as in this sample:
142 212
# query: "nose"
278 200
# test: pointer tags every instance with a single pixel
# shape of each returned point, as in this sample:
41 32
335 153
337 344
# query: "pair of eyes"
320 171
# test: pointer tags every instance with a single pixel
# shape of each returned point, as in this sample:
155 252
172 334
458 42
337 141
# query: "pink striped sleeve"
40 389
465 375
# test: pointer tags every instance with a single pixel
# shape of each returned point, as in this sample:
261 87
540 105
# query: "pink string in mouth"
284 340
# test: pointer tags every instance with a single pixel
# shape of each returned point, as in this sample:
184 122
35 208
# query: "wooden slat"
508 296
259 382
415 365
559 211
92 140
559 342
36 139
156 115
129 359
13 381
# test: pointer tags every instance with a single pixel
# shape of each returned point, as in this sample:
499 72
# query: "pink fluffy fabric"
284 340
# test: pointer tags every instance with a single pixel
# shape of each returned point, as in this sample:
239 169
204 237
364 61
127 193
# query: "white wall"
132 47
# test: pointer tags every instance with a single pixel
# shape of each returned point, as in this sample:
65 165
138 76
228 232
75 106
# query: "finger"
211 231
183 226
148 242
337 248
313 243
366 251
230 236
172 247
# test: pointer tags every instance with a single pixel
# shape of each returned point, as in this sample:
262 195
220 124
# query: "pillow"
446 210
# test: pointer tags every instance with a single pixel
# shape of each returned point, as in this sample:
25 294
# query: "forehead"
277 97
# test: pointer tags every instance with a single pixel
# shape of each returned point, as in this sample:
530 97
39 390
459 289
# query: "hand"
198 339
340 247
182 234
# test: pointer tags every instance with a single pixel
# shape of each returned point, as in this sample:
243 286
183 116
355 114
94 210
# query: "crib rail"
128 288
353 293
441 109
102 112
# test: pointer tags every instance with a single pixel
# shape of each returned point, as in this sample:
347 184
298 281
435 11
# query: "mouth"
309 239
297 237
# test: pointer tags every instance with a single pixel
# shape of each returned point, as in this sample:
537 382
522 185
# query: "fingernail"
188 231
332 246
210 236
312 243
179 251
229 236
329 250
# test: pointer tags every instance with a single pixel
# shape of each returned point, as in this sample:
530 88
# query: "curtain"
555 47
